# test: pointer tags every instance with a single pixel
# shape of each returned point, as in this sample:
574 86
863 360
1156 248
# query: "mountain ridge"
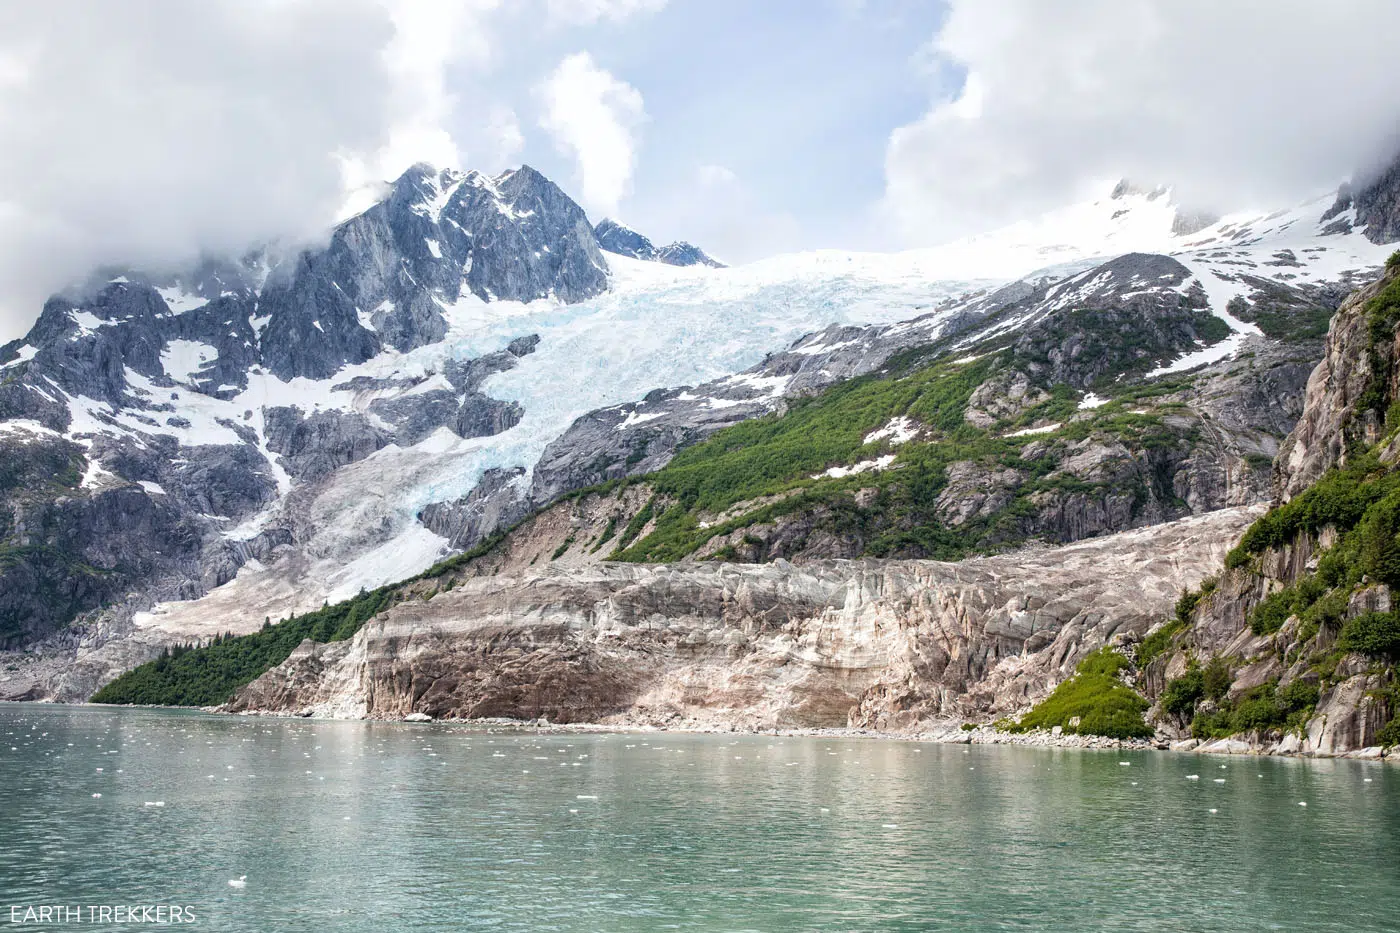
273 493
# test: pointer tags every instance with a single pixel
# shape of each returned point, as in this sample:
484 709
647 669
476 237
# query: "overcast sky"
147 131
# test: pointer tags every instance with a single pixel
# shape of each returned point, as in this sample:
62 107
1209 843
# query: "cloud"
152 129
594 118
429 38
1238 104
588 12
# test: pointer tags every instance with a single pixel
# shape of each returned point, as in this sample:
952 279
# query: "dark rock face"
681 253
388 273
624 241
615 238
1123 315
1377 204
496 502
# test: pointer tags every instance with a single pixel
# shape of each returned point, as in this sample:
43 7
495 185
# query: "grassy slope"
785 456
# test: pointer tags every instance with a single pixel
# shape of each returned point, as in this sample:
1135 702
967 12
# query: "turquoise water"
372 826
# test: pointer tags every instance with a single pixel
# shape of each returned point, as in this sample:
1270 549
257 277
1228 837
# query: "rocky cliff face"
1336 418
1295 622
879 644
1372 204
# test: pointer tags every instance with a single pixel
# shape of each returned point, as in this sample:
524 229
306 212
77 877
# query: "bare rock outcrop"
878 644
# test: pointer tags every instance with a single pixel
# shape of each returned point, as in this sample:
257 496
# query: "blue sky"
795 98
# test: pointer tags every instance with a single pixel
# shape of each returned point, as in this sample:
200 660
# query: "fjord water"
374 826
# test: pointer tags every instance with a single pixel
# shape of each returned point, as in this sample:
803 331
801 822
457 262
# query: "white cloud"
709 175
587 12
594 118
150 131
1235 104
503 139
430 36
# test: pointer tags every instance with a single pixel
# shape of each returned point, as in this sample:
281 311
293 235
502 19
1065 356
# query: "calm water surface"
372 826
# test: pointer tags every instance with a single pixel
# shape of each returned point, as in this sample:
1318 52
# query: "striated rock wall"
1330 422
1339 421
876 644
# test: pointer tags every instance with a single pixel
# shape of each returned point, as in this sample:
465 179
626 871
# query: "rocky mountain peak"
623 240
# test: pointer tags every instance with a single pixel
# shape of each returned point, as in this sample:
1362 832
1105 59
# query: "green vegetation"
777 463
768 455
1156 644
1101 702
1382 316
1342 498
1374 634
211 674
1201 696
1182 694
608 531
1264 708
1282 316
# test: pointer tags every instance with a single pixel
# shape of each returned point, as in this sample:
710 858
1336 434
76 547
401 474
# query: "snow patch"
87 322
1044 429
179 301
898 431
637 418
28 429
865 466
1090 400
26 353
182 360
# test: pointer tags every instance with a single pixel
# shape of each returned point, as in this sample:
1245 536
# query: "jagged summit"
623 240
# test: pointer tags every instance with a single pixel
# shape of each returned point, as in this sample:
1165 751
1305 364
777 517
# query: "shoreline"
945 734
